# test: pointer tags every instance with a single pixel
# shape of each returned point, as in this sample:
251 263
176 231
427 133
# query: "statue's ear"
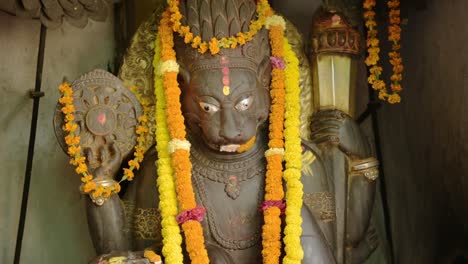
264 72
184 75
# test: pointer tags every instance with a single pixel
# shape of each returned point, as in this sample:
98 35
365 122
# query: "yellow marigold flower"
69 117
371 79
377 70
107 192
82 168
214 46
134 163
398 68
188 37
88 187
394 98
396 77
241 38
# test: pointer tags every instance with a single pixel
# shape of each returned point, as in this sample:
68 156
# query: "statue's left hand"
337 128
109 158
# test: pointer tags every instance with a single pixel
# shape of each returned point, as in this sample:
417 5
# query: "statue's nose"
228 127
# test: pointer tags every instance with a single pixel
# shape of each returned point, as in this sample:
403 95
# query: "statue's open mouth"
229 148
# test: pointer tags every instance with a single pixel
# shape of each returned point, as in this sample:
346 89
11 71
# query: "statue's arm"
106 220
342 141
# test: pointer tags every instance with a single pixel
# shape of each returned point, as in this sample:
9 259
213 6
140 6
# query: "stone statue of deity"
338 170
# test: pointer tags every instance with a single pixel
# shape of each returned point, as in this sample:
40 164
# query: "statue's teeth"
229 148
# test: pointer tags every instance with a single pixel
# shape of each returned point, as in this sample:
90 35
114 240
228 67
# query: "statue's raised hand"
106 160
337 128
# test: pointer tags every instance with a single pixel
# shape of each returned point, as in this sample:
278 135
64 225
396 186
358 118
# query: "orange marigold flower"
394 98
196 42
383 95
134 163
69 117
369 14
141 130
86 178
98 191
203 48
371 79
377 70
214 46
77 160
72 140
116 187
396 77
396 87
65 89
393 4
66 100
143 118
372 42
371 23
129 174
368 4
378 84
70 127
72 150
188 37
107 192
88 187
68 109
82 168
398 68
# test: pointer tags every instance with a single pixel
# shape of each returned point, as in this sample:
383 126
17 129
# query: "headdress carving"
221 19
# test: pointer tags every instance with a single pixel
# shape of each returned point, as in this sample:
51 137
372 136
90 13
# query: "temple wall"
55 229
424 139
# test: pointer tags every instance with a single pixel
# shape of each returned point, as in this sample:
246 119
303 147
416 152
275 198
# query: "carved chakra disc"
105 112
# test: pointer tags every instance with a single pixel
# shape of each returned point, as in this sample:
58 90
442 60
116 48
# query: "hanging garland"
373 49
74 149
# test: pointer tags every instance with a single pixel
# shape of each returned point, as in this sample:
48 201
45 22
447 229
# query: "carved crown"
221 18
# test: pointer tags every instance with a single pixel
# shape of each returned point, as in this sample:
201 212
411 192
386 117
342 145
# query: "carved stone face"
224 121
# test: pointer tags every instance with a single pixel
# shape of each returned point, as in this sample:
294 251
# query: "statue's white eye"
244 104
209 108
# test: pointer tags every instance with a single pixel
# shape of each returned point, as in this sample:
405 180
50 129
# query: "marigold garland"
375 71
214 45
293 158
180 158
172 238
271 233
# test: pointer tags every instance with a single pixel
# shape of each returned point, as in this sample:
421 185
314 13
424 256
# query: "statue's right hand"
108 158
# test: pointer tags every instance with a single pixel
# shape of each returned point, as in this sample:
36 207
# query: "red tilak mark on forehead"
101 118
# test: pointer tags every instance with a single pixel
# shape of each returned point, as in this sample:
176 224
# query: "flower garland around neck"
373 50
74 149
172 239
214 45
179 149
285 95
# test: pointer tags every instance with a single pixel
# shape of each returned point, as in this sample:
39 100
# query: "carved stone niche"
53 12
